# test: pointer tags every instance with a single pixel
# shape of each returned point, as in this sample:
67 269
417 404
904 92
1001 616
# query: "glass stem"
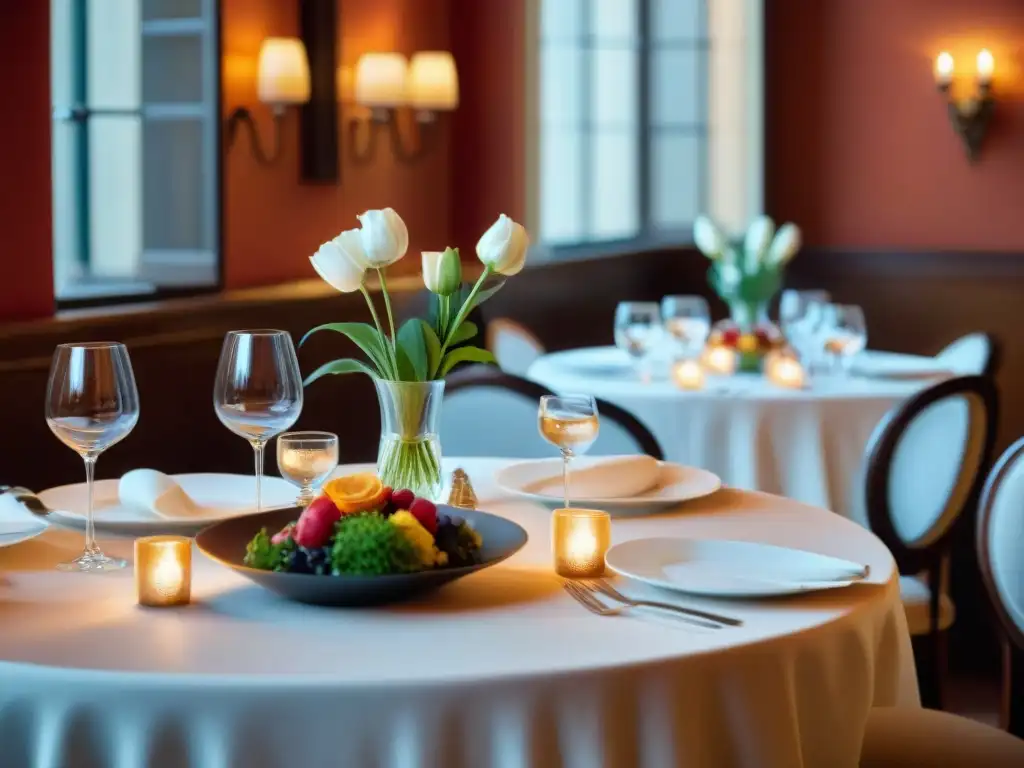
257 448
90 529
565 476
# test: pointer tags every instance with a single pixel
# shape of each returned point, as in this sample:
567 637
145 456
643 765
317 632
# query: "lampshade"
433 81
283 71
381 80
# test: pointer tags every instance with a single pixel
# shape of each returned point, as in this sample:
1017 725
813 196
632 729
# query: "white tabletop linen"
805 444
499 669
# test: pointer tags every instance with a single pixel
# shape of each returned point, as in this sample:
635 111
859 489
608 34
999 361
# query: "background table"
499 669
807 444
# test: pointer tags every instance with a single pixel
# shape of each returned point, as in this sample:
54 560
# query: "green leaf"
411 342
364 336
486 293
463 333
345 365
406 369
465 355
433 345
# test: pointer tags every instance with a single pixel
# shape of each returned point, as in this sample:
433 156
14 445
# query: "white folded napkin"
605 477
15 517
157 493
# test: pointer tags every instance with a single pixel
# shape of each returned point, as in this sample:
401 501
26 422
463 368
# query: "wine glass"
570 423
846 333
306 459
258 392
687 320
91 404
794 318
637 325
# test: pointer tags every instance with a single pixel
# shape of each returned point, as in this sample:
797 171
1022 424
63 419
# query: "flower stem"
387 306
464 310
393 373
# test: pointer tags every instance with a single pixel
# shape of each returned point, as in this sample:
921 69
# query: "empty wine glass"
794 320
570 423
687 321
91 404
306 459
258 391
637 326
845 332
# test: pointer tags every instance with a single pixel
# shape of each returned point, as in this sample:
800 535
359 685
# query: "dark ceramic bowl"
225 542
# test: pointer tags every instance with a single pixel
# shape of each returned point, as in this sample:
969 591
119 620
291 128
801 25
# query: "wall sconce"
282 81
970 116
384 83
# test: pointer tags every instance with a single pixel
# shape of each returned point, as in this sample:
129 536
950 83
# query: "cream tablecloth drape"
500 669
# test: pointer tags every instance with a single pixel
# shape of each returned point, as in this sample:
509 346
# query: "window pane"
614 88
561 190
677 20
172 69
614 20
113 43
171 9
614 200
561 84
675 97
676 176
66 255
561 20
173 199
114 196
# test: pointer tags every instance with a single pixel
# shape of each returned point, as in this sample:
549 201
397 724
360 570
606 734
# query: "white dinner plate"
677 484
720 568
882 365
609 362
218 496
16 523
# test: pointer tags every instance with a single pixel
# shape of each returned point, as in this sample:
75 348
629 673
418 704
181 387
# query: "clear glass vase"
410 450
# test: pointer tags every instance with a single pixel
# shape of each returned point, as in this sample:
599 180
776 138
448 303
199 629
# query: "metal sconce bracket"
971 117
363 150
243 116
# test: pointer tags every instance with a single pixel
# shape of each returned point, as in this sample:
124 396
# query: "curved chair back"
925 466
976 354
487 412
513 345
1001 558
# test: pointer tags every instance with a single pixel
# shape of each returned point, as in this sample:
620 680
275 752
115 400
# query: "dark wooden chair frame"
1012 715
481 376
910 559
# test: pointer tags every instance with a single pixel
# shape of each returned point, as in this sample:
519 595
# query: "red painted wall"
26 251
860 149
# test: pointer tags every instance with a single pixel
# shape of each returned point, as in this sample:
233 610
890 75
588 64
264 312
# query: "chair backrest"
487 412
513 345
976 354
1001 540
925 465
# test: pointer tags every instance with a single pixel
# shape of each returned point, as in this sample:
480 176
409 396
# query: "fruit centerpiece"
361 527
746 274
408 365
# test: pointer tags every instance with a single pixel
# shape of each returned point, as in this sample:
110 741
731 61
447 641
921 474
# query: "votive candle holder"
579 540
163 570
785 370
721 360
688 374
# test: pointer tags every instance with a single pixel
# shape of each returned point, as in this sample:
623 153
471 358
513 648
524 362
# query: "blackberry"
319 560
298 561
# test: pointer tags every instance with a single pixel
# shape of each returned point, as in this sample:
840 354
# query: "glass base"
93 562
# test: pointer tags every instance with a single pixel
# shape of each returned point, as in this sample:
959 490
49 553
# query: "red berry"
284 534
386 494
402 499
731 336
316 524
426 513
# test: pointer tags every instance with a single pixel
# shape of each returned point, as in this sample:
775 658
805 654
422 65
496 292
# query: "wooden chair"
925 466
1000 545
514 345
487 412
976 354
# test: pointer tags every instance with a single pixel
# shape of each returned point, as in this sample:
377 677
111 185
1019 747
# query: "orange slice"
355 493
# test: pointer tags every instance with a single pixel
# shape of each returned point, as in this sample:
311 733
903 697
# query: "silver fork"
602 586
590 601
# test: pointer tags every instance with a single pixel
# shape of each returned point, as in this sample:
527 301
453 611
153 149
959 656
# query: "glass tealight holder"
163 570
720 360
688 374
579 540
784 370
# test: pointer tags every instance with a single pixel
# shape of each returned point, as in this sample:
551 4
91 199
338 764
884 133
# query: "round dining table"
806 444
502 668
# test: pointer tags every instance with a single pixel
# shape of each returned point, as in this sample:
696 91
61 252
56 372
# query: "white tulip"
341 261
503 247
708 238
759 238
385 238
785 245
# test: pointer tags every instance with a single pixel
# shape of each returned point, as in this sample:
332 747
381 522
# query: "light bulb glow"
944 68
986 66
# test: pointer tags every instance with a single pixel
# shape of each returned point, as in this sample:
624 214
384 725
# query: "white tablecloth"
499 669
805 444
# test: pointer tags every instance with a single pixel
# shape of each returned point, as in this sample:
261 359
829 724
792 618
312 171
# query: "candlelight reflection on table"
579 539
163 570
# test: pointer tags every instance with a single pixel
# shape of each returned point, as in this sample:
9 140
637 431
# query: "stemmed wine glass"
91 404
687 320
258 392
306 459
797 318
570 423
845 333
637 325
